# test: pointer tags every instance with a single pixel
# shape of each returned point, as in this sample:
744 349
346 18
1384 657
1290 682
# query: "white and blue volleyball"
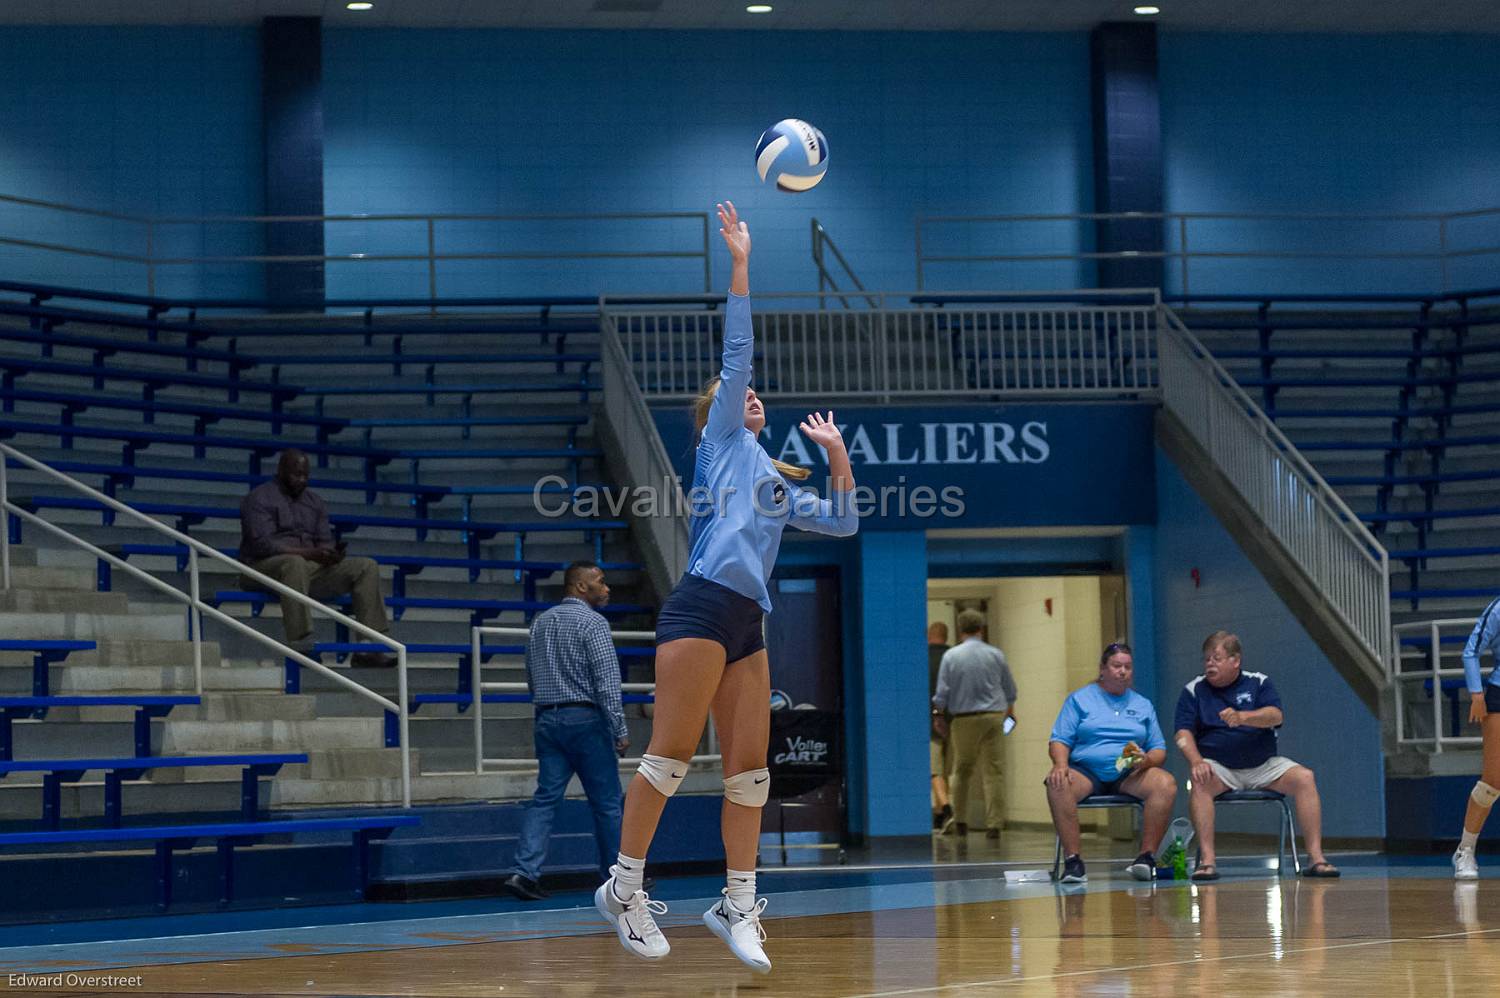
792 154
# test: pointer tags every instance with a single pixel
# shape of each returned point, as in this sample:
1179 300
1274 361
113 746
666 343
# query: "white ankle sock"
741 888
1468 840
628 872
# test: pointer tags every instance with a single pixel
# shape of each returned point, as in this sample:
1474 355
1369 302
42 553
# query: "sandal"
1324 870
1204 874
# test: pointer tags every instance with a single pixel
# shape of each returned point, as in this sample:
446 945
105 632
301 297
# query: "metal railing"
197 608
480 687
1431 675
1044 348
1326 540
822 246
1031 246
157 245
645 459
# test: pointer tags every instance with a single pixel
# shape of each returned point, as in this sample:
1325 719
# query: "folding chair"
1095 800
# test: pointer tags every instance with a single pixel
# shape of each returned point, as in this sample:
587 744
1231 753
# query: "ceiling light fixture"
1147 11
360 5
759 8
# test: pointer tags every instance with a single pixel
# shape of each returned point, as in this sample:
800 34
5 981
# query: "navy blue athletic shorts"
1492 698
698 608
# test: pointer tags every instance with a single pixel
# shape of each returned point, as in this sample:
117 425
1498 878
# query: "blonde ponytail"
705 401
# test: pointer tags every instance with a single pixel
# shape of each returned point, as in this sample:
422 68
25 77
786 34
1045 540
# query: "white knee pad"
665 775
749 789
1483 794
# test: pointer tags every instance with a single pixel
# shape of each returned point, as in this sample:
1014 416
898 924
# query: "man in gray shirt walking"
975 686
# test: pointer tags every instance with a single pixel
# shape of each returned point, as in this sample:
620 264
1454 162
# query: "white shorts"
1256 777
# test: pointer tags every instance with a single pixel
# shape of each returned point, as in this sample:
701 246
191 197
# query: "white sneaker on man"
741 931
1465 866
633 920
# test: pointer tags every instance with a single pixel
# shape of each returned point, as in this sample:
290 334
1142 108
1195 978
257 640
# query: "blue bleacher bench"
56 772
188 515
259 447
527 572
205 414
480 610
465 683
44 654
171 838
117 476
36 707
49 338
150 380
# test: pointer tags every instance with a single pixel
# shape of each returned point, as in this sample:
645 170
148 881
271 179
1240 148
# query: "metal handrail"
476 636
151 238
1434 673
646 462
821 240
193 598
1268 486
1179 223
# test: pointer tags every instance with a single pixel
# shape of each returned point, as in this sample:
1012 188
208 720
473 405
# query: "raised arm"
726 414
836 514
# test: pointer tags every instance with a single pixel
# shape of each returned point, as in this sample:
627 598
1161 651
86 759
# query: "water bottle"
1179 859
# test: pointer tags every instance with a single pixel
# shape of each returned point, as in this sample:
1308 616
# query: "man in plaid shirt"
574 675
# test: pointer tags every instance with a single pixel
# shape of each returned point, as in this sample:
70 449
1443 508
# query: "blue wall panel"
1327 727
1361 123
543 122
144 121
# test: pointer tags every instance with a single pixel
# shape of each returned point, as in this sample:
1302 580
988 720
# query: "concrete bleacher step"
137 623
250 706
35 577
516 784
200 737
24 601
79 680
22 801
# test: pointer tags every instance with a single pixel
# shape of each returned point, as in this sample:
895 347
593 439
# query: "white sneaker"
1465 867
633 921
741 931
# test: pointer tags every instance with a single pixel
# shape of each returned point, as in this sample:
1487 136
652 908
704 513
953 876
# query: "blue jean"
572 740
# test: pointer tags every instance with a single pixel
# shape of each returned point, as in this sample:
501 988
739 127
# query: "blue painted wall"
167 121
541 122
144 121
1356 123
1327 727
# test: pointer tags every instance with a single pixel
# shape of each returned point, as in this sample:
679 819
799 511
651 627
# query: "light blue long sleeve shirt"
740 502
1484 637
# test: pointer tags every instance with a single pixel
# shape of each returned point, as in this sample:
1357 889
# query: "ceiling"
807 15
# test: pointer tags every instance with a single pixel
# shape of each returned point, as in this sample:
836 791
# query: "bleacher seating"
1396 400
470 420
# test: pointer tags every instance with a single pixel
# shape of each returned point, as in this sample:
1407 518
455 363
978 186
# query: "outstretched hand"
820 430
736 233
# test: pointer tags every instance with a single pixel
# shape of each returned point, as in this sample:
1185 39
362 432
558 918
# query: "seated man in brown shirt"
284 533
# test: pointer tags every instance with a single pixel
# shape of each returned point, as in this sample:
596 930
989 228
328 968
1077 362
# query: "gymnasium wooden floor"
1389 927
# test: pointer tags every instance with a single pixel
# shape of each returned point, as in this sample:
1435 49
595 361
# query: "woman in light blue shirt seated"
1107 741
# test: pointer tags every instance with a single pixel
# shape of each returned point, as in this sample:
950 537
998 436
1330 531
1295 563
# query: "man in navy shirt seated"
1226 727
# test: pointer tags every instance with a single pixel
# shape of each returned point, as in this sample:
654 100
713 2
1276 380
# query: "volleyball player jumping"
1484 710
710 649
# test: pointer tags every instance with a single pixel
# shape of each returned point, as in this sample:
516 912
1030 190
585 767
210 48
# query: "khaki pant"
359 577
976 740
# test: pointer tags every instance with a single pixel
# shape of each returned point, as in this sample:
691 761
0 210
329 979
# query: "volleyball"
791 154
779 700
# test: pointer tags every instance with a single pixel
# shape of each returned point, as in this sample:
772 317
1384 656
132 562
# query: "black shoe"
372 660
1144 867
1073 872
525 888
